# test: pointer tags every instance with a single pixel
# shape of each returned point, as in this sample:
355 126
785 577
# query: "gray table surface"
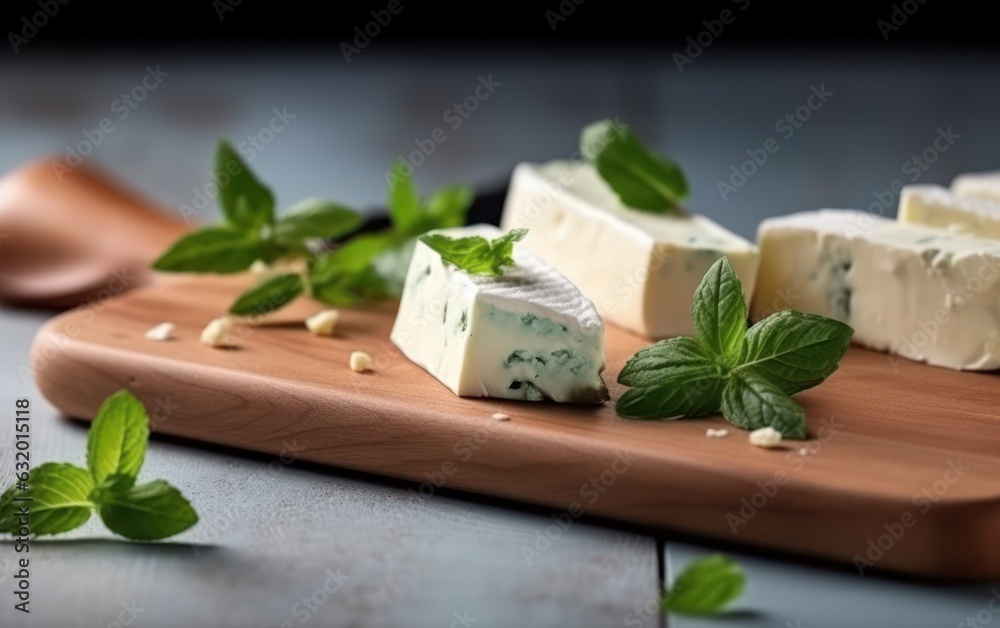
272 534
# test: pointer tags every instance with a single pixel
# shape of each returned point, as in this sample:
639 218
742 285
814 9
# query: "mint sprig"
642 179
475 254
748 375
365 267
707 586
63 496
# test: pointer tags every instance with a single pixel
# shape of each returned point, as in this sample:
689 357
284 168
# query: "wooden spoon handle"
70 237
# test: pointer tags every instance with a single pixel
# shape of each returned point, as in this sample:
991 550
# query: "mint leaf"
750 402
116 442
404 200
720 312
212 250
795 351
475 254
673 378
448 207
147 512
641 179
706 587
247 204
316 218
269 295
59 495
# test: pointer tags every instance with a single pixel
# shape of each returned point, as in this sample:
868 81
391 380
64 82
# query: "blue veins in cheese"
640 269
528 334
923 293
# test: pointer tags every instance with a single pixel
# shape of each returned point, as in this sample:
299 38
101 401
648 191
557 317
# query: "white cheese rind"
640 269
935 206
529 334
982 185
923 293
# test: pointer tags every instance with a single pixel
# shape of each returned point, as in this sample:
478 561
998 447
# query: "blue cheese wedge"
641 269
935 206
528 334
923 293
982 185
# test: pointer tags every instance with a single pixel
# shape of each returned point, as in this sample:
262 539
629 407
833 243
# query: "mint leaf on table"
448 207
246 202
147 512
748 375
271 294
316 218
673 378
707 586
212 250
63 495
753 402
475 254
404 200
116 442
641 179
444 209
794 350
59 494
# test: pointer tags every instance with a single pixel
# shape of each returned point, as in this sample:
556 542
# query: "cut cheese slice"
529 334
983 185
926 294
641 269
935 206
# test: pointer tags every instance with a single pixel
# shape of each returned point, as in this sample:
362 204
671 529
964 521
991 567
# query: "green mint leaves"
706 587
476 255
63 495
748 375
641 179
364 267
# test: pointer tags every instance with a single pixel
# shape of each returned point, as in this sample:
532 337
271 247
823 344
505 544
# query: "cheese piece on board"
935 206
639 268
925 294
528 334
982 185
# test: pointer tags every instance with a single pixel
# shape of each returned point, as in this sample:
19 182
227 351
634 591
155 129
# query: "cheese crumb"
766 437
322 323
500 416
361 361
160 333
216 333
711 433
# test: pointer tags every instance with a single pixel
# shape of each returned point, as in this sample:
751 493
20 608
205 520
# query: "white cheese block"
640 269
925 294
984 185
935 206
529 334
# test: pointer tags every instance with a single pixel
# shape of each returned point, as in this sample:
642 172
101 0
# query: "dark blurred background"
326 98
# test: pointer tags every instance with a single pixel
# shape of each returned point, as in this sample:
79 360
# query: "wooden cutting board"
902 471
